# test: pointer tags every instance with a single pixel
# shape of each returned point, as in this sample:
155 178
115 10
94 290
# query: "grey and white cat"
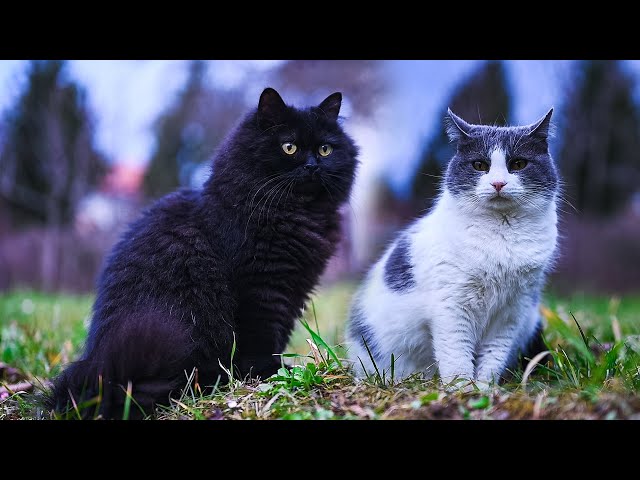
458 290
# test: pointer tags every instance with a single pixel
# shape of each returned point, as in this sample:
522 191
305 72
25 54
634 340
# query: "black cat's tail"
134 366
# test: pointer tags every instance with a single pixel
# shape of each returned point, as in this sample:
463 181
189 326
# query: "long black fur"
237 259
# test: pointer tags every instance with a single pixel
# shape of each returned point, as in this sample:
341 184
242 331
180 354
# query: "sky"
127 95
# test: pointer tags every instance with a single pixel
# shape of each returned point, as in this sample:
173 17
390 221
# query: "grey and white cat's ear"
457 128
271 108
330 106
540 129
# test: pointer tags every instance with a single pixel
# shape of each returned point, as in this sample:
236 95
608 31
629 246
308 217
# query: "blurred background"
84 145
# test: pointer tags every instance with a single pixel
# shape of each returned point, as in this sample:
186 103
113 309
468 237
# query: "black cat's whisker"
324 185
286 189
332 174
264 185
341 191
265 199
273 127
277 176
279 188
344 192
282 190
269 201
256 189
258 204
262 180
293 185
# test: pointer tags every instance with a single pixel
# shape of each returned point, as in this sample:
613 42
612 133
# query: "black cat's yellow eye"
480 166
517 164
289 148
325 150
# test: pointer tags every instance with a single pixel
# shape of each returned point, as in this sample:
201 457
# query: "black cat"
237 259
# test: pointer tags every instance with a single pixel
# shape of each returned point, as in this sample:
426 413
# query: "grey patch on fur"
362 332
398 273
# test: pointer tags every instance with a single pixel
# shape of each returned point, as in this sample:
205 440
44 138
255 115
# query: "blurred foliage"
41 333
600 154
359 81
48 161
483 98
189 131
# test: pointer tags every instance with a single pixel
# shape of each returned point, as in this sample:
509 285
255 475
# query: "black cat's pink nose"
498 185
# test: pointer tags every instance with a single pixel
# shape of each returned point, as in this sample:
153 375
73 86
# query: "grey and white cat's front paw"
484 386
462 385
456 378
490 370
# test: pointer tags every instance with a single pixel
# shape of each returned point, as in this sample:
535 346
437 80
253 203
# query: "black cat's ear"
457 128
540 129
271 108
330 106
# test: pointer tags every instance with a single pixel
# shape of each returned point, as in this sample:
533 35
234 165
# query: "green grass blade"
319 341
127 402
584 338
378 376
366 374
315 317
393 368
233 353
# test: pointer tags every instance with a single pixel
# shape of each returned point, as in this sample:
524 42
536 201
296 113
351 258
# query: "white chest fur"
489 262
477 274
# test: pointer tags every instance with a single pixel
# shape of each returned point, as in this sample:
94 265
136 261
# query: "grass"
592 370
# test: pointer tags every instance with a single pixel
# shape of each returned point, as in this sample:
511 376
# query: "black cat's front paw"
261 369
267 371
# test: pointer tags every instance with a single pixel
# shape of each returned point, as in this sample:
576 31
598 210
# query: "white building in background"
117 201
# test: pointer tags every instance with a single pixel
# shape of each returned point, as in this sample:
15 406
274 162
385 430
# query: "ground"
591 372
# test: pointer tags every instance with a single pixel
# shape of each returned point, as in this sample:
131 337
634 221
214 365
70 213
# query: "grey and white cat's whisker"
564 200
432 175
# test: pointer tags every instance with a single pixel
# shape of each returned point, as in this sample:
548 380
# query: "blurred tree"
188 132
600 153
359 81
483 98
48 161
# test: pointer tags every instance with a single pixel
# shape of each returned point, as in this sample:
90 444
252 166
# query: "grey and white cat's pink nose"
498 185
